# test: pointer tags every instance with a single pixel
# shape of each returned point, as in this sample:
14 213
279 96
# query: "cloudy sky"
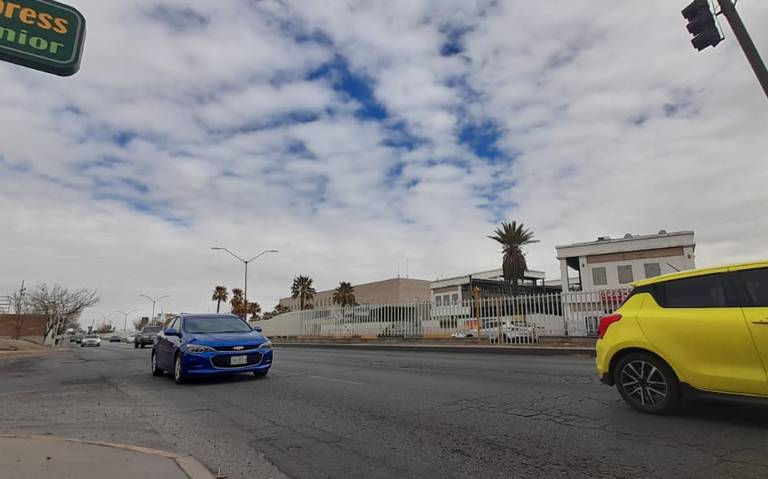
356 136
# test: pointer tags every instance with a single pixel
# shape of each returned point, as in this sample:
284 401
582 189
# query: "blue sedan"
210 344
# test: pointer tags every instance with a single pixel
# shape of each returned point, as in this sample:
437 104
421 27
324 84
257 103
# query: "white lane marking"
324 378
283 372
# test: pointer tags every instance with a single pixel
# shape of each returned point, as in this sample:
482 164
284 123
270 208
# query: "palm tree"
254 309
344 294
280 309
513 237
220 294
237 301
302 289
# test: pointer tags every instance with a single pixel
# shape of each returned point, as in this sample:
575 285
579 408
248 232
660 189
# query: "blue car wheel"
156 371
178 373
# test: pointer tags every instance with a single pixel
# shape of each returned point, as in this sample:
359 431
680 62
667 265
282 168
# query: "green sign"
41 34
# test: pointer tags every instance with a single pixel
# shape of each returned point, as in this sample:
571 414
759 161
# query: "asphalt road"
382 414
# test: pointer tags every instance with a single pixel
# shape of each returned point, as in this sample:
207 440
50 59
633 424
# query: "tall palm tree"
237 301
302 289
220 294
344 294
513 237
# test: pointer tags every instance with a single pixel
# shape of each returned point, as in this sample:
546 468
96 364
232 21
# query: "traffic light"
701 24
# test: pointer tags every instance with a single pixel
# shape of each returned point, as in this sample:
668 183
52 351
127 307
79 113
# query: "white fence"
5 304
509 319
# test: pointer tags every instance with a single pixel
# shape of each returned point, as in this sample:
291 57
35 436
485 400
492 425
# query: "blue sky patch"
454 40
481 137
123 138
179 19
351 84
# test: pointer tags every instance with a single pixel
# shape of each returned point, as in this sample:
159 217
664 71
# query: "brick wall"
26 326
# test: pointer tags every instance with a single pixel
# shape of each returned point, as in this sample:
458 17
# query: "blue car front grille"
223 361
232 348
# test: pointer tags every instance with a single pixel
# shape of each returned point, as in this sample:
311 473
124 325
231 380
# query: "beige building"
389 291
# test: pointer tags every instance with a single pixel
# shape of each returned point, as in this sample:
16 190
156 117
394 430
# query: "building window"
438 300
599 276
652 269
455 298
625 274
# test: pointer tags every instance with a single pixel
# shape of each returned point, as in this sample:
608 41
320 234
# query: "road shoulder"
447 348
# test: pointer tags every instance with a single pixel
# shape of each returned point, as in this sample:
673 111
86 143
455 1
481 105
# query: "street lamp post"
125 320
154 302
245 262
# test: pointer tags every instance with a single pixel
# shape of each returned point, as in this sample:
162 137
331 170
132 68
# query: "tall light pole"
125 320
245 262
728 8
154 302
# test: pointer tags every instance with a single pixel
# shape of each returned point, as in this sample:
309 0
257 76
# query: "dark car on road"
208 345
115 339
146 336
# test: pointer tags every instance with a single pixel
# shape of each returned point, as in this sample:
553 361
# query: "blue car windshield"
215 324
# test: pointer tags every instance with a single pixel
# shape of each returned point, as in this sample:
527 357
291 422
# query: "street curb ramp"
193 468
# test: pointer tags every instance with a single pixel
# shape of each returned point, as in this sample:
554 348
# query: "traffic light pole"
742 35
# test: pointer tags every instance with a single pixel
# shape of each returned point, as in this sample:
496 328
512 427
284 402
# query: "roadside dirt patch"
20 347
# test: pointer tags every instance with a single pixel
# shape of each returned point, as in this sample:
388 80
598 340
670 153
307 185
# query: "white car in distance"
90 340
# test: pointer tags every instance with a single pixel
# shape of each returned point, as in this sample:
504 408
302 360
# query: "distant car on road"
210 344
90 340
682 333
130 339
115 339
510 332
146 336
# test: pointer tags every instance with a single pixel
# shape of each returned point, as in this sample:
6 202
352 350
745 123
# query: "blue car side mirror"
171 332
257 329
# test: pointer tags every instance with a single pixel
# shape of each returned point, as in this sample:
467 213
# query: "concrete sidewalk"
49 458
444 348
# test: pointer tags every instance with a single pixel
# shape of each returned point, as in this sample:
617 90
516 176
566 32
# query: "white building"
613 263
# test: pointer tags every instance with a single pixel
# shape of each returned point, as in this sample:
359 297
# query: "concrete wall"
24 326
287 324
412 291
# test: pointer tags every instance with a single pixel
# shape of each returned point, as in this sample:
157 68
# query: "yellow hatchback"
699 330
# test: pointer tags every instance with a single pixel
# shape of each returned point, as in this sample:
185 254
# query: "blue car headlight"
265 345
199 348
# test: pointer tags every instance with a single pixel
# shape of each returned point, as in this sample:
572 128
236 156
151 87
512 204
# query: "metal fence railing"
5 304
520 319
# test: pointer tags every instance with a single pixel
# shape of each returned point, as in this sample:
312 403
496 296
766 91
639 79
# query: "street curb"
193 468
513 350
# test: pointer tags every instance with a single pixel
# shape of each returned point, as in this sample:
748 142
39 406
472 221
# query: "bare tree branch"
62 306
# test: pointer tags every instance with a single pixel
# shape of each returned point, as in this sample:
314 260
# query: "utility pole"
245 262
742 35
125 318
154 302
